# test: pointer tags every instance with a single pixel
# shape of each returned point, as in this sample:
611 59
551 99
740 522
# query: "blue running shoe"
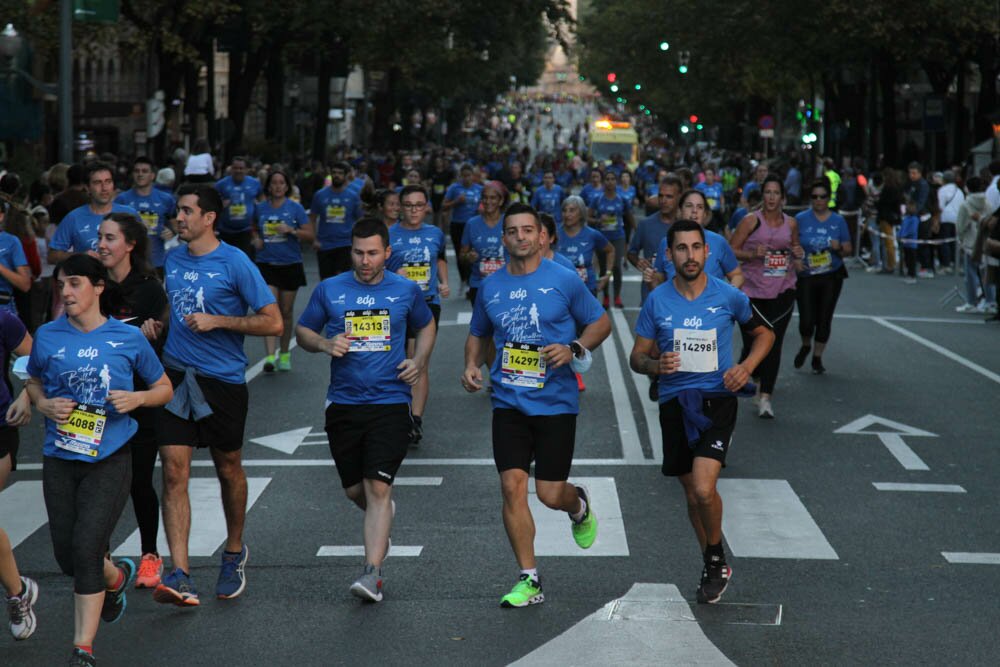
176 588
114 598
232 579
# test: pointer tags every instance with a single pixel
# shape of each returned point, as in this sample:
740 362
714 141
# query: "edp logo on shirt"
366 300
692 322
518 294
87 353
190 275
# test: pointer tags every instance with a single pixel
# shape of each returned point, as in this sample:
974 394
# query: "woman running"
579 243
767 242
81 373
825 240
122 247
387 206
611 214
482 238
280 227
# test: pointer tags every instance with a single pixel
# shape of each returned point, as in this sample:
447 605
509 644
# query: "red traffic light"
693 118
612 77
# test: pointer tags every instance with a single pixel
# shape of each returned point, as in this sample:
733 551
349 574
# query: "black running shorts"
222 430
368 441
547 439
714 443
9 441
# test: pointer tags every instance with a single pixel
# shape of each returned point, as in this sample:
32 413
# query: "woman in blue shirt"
81 379
280 225
825 239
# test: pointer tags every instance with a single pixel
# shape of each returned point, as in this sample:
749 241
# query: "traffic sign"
765 122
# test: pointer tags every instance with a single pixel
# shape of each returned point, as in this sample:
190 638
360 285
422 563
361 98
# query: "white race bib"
699 350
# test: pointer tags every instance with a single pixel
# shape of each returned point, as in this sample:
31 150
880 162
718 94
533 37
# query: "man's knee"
514 487
550 494
176 471
377 491
354 492
229 467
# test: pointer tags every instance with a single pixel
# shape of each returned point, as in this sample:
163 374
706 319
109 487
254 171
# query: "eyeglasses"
492 198
415 206
818 197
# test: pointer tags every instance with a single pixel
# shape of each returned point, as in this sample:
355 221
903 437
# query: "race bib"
775 264
418 272
699 350
368 330
336 214
582 272
490 265
271 234
820 261
151 220
237 211
439 189
83 431
522 365
713 203
609 222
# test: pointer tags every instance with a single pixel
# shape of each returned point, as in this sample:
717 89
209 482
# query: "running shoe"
269 363
800 356
585 530
654 389
150 571
925 273
177 588
968 308
416 430
20 612
579 383
81 658
369 585
817 364
526 591
607 302
764 409
232 579
714 580
285 361
114 598
618 302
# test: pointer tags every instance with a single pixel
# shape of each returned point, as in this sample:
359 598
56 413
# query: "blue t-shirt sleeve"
315 317
63 238
17 253
600 240
300 217
394 262
36 365
739 304
316 207
146 363
480 325
633 244
449 194
660 265
250 284
645 326
13 330
728 260
582 304
420 315
844 234
466 235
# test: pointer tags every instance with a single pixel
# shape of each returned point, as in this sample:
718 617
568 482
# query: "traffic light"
682 59
683 69
614 88
700 126
693 118
612 77
638 86
582 78
685 129
664 46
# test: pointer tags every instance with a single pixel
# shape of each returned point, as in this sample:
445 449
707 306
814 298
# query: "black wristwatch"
578 350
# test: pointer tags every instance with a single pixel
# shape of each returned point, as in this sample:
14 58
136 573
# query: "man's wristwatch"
578 350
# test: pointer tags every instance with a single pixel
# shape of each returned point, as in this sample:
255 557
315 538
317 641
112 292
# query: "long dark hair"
134 232
85 266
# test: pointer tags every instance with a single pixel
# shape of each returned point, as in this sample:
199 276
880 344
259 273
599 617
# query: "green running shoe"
585 532
285 361
526 591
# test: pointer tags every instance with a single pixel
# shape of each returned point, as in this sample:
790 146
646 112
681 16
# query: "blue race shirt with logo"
713 193
242 196
529 312
721 260
667 315
281 249
336 213
461 213
11 256
628 194
580 250
416 252
78 230
488 243
84 367
610 216
815 237
154 210
549 201
379 316
223 282
588 193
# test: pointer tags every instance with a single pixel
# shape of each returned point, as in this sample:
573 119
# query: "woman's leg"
890 245
616 275
286 302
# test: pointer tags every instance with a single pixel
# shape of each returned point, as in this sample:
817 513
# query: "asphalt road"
832 563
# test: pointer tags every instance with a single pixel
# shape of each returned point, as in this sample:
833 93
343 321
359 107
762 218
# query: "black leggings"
616 270
777 312
817 298
456 229
84 501
144 499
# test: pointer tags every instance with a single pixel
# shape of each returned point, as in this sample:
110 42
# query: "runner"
240 194
532 309
81 369
549 197
578 243
122 247
388 206
361 320
611 215
482 238
333 213
418 254
593 187
15 273
712 189
651 234
825 240
767 242
462 199
691 318
21 592
280 227
156 208
210 285
78 230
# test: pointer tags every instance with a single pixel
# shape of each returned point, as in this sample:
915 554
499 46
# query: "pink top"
768 276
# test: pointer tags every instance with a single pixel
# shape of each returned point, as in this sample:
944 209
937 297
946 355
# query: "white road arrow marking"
288 441
892 439
23 510
553 531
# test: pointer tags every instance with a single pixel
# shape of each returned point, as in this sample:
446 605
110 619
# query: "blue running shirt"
488 243
336 213
610 212
548 201
78 230
416 252
580 250
281 249
815 237
461 213
242 197
154 210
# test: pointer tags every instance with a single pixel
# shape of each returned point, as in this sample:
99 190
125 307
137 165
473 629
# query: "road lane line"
932 488
898 448
650 410
328 463
764 518
627 428
417 481
23 505
971 558
939 349
358 550
553 536
208 523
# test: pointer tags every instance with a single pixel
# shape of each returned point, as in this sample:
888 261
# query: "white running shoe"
764 409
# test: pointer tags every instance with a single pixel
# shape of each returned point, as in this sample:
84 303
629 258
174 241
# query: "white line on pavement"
969 558
940 350
897 447
627 428
358 550
931 488
23 510
323 463
553 535
650 410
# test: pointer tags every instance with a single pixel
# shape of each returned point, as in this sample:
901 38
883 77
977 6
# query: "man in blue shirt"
418 254
210 286
240 194
652 230
462 199
549 197
532 309
156 208
78 230
712 189
361 319
333 212
684 335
